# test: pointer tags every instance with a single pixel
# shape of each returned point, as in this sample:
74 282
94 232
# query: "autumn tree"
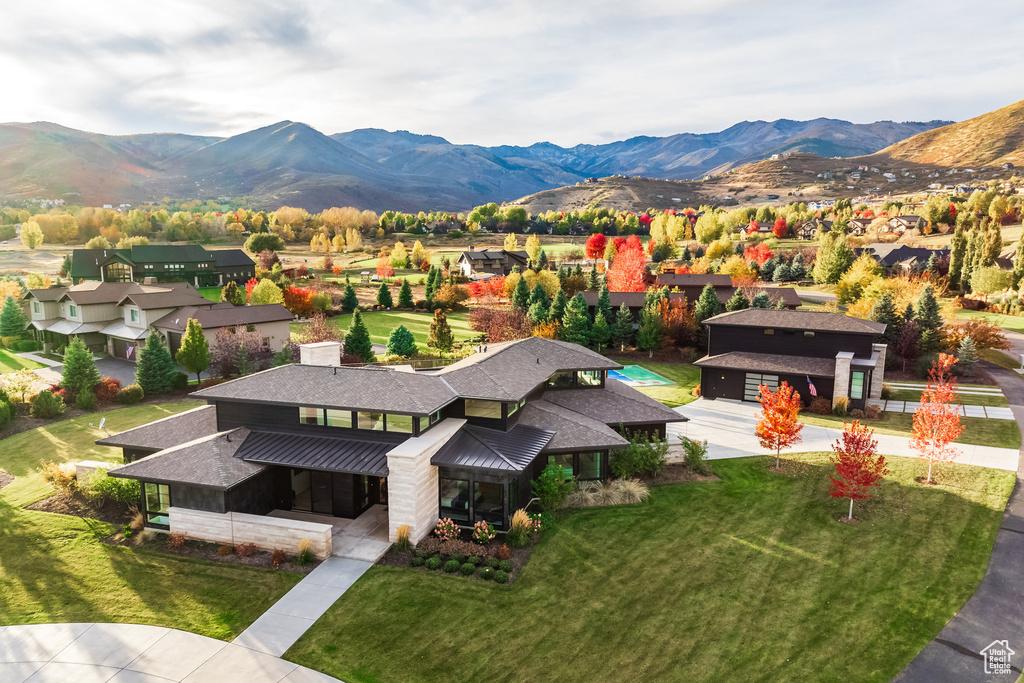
194 353
533 249
511 242
627 270
266 292
596 245
780 229
777 425
937 420
384 267
31 235
857 467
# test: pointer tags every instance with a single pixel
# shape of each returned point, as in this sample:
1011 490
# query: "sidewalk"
132 653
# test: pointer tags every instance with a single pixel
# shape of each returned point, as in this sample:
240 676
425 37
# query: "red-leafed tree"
652 244
596 244
384 267
249 286
299 300
753 228
857 467
777 426
937 420
626 273
759 253
645 220
781 228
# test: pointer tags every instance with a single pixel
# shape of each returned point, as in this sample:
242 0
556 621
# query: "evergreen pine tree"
440 336
761 300
12 319
782 273
885 312
431 275
780 304
707 305
1018 264
539 296
384 296
563 275
194 353
928 342
401 343
600 332
797 270
650 335
79 373
604 304
926 313
958 247
521 295
622 328
967 356
576 322
767 269
594 281
538 313
405 295
578 271
737 302
349 300
242 361
233 294
155 370
542 261
557 309
357 341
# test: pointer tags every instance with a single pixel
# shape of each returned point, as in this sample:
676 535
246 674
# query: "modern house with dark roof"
634 301
488 262
463 441
167 263
833 353
901 256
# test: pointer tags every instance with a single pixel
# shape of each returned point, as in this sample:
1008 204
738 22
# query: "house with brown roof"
900 224
819 353
476 263
317 439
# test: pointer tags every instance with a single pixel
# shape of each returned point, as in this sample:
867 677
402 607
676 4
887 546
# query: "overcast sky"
503 72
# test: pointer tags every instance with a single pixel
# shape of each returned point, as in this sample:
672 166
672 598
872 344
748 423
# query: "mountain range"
292 163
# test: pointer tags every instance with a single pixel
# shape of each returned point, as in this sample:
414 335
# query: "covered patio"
362 538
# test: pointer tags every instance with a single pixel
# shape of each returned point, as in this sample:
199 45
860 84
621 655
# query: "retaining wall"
268 533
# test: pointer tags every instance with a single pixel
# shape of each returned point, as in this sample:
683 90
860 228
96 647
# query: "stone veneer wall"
841 389
268 533
413 482
878 375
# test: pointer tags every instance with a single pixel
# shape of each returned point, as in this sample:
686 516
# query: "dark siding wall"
788 342
652 428
345 486
258 416
197 498
261 494
133 454
717 383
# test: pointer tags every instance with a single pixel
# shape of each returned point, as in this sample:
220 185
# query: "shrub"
857 414
130 395
417 561
9 341
695 455
820 406
25 345
434 563
60 476
887 392
468 569
305 555
176 540
552 487
473 560
138 519
45 405
402 541
503 552
506 566
873 412
616 492
447 529
491 562
179 381
500 576
86 400
483 533
487 573
924 365
6 413
646 455
106 390
278 558
451 566
226 549
246 549
520 529
458 557
100 487
840 404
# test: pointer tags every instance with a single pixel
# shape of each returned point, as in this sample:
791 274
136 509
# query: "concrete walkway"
996 610
728 427
131 653
291 616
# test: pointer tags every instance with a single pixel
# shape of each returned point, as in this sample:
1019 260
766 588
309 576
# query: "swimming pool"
636 376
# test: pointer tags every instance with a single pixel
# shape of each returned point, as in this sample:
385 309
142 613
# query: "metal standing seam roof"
122 331
493 449
352 456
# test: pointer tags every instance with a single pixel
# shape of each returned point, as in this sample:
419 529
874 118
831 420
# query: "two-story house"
166 263
463 441
834 353
487 262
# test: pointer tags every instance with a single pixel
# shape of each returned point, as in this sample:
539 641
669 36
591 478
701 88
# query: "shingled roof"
770 362
208 461
797 320
167 432
223 314
573 431
615 403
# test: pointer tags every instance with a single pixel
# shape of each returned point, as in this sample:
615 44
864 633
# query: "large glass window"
424 423
311 416
400 423
590 378
371 421
513 408
158 501
590 466
455 499
561 380
857 386
489 502
339 418
488 409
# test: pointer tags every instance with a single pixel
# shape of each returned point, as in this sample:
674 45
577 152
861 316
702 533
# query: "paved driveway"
121 369
728 427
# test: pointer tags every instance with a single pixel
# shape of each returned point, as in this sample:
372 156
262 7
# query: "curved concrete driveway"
131 653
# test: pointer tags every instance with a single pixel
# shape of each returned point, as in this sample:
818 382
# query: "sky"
503 71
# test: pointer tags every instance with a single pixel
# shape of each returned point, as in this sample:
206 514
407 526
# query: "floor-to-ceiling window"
157 498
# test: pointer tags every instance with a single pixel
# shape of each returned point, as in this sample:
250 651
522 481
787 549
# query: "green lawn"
719 581
210 293
1007 322
979 431
381 323
12 363
55 568
686 378
1001 359
965 398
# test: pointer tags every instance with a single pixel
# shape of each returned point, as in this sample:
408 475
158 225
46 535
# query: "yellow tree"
511 242
31 235
338 243
533 248
418 254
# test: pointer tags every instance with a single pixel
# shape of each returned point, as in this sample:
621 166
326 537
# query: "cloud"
505 72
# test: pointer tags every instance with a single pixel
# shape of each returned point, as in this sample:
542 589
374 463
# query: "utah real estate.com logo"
997 657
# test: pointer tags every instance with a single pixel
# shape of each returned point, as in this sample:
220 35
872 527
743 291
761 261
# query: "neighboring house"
901 224
116 317
272 321
463 441
690 284
836 353
167 263
635 300
808 230
486 262
901 256
857 226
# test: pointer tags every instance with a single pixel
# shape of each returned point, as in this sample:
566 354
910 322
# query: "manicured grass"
1007 322
965 398
55 568
686 378
210 293
12 363
70 440
705 581
381 323
979 431
999 358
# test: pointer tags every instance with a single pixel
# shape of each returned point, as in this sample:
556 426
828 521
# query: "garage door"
121 349
753 380
174 343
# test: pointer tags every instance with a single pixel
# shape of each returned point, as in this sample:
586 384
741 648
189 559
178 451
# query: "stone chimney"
149 280
321 353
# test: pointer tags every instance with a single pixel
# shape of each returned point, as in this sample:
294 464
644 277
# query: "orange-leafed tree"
596 244
857 467
780 229
384 267
627 271
937 420
777 426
